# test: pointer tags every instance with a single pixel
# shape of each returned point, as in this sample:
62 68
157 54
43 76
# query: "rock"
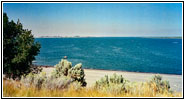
65 57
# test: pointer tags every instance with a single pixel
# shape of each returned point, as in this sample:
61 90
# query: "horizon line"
100 36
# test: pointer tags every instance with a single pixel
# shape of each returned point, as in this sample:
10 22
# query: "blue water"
152 55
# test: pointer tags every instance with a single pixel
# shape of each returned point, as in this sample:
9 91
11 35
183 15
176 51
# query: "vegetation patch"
61 78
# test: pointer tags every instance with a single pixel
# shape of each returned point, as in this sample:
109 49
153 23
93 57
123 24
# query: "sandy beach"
92 75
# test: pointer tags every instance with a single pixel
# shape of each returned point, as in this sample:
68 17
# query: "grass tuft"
16 89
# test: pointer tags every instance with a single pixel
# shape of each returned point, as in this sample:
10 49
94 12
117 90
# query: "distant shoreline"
178 37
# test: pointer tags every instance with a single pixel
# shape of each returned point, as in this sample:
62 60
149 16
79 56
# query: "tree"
19 48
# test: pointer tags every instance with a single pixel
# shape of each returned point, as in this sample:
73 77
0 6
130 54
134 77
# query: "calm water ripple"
125 53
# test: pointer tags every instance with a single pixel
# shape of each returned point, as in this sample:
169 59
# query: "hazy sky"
98 19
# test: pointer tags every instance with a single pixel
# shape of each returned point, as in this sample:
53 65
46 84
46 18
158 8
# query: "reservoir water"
153 55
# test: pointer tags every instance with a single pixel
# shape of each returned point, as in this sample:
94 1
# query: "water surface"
152 55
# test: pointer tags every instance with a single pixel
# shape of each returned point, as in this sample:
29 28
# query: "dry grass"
15 89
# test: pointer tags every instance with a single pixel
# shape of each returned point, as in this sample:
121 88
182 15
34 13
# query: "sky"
98 19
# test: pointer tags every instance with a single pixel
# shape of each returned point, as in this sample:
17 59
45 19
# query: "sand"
92 75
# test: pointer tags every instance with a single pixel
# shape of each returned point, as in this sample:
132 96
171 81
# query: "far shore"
91 75
160 37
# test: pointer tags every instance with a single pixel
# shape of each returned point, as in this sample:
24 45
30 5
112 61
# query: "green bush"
161 85
34 79
42 81
62 82
39 80
114 84
77 73
64 68
61 69
19 48
62 77
28 80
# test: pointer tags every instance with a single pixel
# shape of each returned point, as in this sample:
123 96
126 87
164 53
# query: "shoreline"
46 66
131 71
92 75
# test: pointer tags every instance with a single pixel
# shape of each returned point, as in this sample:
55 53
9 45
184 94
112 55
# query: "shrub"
64 68
39 80
158 84
19 48
42 81
57 83
34 79
27 80
36 69
62 77
114 84
77 73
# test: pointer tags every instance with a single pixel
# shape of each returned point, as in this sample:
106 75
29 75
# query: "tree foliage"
19 48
